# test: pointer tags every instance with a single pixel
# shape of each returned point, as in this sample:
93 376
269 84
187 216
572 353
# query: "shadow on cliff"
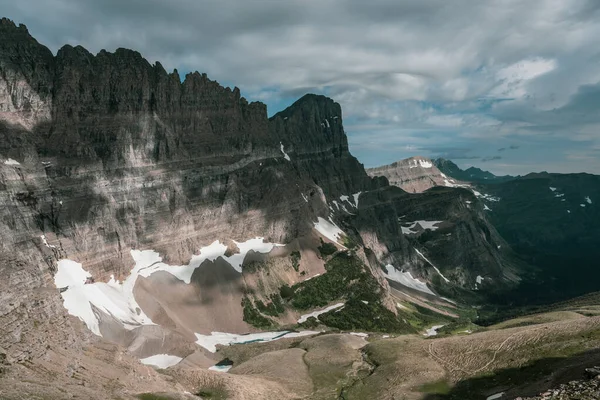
528 380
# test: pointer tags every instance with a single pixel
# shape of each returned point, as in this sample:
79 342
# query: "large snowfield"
82 297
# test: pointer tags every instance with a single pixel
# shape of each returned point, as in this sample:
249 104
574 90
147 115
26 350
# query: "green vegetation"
458 326
273 308
253 266
438 387
345 277
327 249
420 321
372 317
295 256
253 316
310 323
286 292
349 242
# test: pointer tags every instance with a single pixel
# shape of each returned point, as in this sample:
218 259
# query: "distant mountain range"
552 221
471 174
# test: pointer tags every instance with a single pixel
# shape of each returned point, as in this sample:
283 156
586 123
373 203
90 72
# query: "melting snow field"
328 229
210 342
433 330
406 279
10 161
149 261
113 298
161 360
316 314
116 298
285 155
431 225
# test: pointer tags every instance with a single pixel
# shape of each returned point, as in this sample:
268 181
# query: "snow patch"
10 161
495 396
327 123
587 198
433 330
50 246
360 334
485 196
285 155
559 195
314 276
161 360
486 208
437 270
316 314
582 205
328 229
431 225
117 299
149 261
552 188
406 279
304 197
479 279
356 195
210 342
419 163
112 298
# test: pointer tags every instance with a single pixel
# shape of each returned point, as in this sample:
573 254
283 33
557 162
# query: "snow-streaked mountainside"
414 175
153 222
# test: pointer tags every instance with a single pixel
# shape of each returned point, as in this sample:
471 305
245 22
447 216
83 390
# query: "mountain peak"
414 175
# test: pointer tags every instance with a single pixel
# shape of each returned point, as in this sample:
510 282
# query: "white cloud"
403 66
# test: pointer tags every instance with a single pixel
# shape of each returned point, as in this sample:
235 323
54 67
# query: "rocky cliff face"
413 175
104 154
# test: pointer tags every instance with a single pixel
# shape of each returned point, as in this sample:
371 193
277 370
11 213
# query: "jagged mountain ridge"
471 174
105 154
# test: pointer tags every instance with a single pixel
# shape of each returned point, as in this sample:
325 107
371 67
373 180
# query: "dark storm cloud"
414 73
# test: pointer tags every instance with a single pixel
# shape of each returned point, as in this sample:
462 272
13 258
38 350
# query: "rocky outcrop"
578 389
414 175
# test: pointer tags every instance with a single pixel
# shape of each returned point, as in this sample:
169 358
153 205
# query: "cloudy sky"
511 86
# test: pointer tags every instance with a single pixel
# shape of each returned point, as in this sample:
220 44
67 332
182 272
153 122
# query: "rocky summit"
414 175
162 238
